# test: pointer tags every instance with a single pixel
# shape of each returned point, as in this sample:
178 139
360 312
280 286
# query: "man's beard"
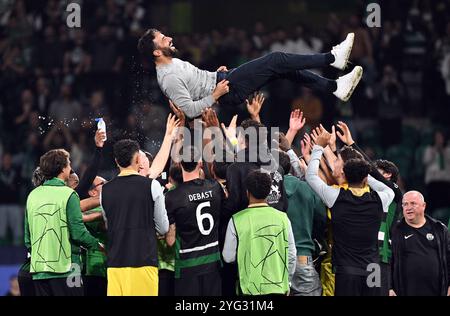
169 52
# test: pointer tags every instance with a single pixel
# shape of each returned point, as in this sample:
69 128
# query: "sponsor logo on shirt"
274 195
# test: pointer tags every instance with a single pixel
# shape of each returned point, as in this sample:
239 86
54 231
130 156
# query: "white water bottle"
101 125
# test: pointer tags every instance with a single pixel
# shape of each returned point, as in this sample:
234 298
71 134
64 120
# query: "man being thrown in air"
193 89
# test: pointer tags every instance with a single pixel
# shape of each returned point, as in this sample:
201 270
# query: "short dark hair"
53 162
124 151
220 169
348 153
260 129
389 167
285 161
220 164
146 46
258 184
356 170
190 158
175 173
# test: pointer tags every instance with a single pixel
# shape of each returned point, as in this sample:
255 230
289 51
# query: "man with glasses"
420 252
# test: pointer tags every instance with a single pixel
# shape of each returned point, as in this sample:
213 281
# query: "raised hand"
308 140
332 142
254 107
172 124
230 131
209 117
180 114
100 135
323 138
297 121
314 135
303 165
346 135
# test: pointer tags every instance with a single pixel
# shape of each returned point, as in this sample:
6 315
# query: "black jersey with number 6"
194 207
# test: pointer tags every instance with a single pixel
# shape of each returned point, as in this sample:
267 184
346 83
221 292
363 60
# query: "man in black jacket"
420 252
253 155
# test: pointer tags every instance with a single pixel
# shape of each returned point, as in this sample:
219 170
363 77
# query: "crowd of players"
239 214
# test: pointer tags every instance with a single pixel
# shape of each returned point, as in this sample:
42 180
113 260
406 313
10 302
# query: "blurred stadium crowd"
54 81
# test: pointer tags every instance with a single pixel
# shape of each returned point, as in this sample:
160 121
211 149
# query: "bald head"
414 205
416 195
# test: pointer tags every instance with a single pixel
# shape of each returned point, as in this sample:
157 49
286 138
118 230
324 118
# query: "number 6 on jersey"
201 217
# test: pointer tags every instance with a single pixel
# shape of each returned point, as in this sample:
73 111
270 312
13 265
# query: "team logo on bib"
430 237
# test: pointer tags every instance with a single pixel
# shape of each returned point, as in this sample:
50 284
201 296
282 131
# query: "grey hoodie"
189 87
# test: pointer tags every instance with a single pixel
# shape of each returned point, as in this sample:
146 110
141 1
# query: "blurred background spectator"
55 81
14 289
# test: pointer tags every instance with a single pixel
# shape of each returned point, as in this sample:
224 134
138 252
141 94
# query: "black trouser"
95 286
229 279
209 284
385 269
251 76
353 285
166 282
26 284
56 287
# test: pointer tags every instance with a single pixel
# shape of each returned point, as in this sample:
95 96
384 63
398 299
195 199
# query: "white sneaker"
347 83
341 52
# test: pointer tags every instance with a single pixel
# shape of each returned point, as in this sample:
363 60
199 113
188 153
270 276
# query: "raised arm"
327 193
230 134
296 123
162 156
254 106
346 137
92 170
385 193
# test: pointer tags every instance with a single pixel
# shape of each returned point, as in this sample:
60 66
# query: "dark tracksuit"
399 249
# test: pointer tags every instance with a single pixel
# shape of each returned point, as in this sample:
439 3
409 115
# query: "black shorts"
57 287
166 282
26 284
208 284
95 285
353 285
